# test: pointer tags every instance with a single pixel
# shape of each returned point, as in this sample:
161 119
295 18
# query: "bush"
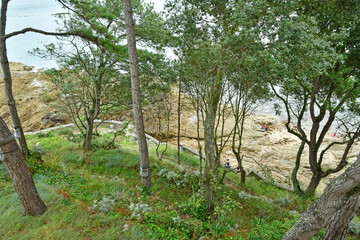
195 206
103 142
139 209
282 201
354 227
44 134
104 205
37 151
69 135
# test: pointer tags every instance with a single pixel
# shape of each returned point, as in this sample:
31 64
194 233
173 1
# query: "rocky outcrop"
29 93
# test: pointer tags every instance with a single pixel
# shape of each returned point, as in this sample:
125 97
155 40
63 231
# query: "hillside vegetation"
98 195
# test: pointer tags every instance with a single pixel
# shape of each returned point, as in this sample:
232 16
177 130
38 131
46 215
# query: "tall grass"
89 195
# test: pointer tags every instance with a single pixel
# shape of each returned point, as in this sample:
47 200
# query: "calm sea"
36 14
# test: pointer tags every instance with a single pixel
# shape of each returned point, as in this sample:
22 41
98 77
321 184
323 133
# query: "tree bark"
89 134
209 174
314 183
8 80
213 99
20 174
179 111
198 137
339 224
242 174
136 96
335 196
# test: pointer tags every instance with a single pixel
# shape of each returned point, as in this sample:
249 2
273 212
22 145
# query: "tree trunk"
240 166
314 183
178 112
198 137
339 223
209 124
8 81
223 176
242 175
89 134
294 172
136 96
335 196
20 174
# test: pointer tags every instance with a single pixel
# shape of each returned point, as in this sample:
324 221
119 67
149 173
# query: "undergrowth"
98 195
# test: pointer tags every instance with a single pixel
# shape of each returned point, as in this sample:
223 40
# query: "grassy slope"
98 195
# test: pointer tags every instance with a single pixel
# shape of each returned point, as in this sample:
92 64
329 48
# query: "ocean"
36 14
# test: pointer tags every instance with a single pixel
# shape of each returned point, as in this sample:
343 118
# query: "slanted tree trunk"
335 196
20 174
339 224
136 96
8 80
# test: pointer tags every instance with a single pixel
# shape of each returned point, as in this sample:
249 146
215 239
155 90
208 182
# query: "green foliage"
73 157
103 142
45 134
269 229
69 134
196 207
98 194
186 158
354 226
169 225
4 175
225 207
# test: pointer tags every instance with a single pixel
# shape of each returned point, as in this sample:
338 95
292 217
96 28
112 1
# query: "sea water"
38 14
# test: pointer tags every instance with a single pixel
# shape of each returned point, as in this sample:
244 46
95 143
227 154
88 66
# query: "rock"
54 117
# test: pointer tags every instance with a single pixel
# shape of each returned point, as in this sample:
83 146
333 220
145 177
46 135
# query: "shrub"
44 134
225 207
179 178
38 151
103 142
69 135
64 131
282 201
104 205
195 206
139 209
354 227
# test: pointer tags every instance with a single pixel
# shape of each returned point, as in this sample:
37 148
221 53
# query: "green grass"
94 195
